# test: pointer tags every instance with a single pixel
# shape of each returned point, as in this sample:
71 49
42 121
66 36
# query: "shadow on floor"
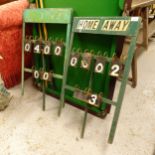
154 151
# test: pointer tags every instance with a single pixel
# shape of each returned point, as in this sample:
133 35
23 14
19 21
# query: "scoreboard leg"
84 123
122 90
22 68
66 64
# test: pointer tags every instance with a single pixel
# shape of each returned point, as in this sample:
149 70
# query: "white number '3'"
93 99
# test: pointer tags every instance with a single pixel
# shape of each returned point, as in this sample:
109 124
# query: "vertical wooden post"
145 26
23 61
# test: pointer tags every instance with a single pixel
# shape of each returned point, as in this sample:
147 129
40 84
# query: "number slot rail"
105 100
57 76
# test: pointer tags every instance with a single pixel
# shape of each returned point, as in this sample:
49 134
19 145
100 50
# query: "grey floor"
26 130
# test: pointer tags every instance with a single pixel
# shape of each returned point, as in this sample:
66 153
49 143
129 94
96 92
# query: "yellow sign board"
115 25
88 24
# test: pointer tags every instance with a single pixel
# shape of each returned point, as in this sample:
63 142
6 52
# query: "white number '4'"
37 48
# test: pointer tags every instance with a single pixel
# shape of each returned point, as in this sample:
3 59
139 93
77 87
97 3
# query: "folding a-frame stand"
116 26
49 16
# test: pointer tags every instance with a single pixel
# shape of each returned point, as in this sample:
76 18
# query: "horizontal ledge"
105 100
142 3
28 70
57 76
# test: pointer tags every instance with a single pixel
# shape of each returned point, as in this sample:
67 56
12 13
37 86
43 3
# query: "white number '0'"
93 99
47 49
27 47
73 61
36 74
57 50
37 48
99 68
45 76
115 70
84 64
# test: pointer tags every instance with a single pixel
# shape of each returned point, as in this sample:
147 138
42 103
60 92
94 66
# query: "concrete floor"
26 130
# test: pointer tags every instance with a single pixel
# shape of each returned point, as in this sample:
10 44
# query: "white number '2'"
115 70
